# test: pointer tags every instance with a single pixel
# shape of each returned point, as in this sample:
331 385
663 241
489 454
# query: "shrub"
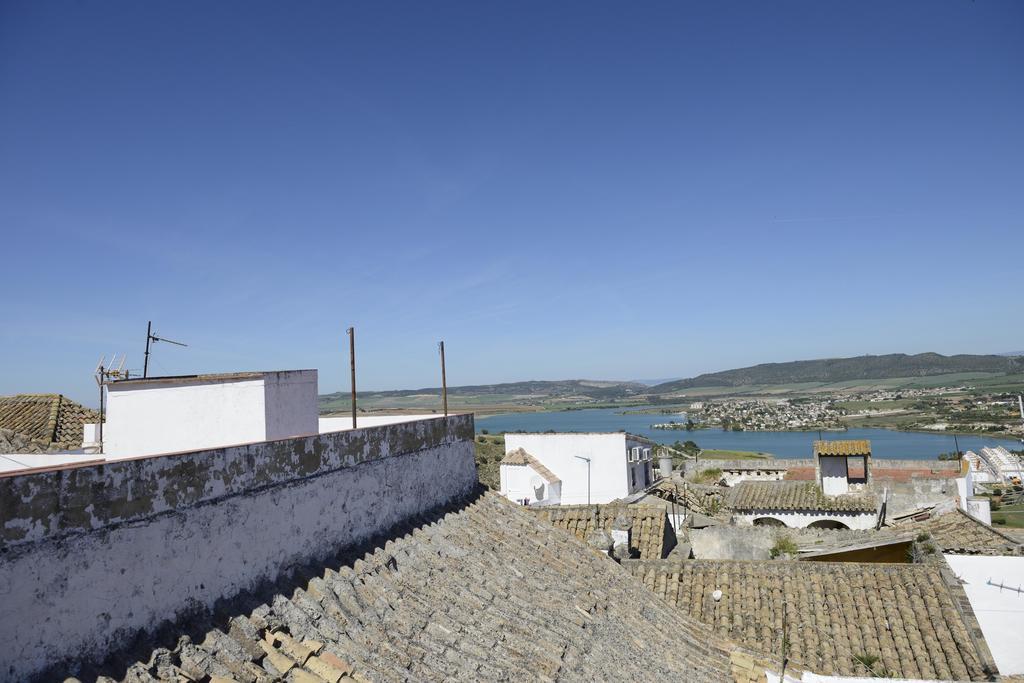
484 431
784 545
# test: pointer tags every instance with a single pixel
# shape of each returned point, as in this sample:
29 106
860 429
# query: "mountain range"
826 370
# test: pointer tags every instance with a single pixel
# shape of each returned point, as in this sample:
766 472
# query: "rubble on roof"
651 536
484 591
837 615
37 423
958 533
795 495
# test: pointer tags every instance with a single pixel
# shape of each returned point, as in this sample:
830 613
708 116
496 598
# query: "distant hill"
536 389
845 369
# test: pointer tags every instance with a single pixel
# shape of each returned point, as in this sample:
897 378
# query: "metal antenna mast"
150 337
444 381
352 365
105 374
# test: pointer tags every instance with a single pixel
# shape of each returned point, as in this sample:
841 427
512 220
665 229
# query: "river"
885 443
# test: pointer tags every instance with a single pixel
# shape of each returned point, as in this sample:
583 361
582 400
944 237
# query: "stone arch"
827 524
768 521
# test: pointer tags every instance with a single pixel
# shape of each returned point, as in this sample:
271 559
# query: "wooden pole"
444 383
352 365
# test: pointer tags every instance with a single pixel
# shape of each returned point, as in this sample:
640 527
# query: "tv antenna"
105 374
150 337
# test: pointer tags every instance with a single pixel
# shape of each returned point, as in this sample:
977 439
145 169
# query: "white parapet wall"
92 555
799 519
337 423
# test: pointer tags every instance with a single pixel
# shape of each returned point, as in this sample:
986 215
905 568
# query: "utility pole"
352 365
444 382
580 457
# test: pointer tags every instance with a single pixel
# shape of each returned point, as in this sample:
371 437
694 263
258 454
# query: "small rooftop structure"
544 486
800 504
146 416
832 464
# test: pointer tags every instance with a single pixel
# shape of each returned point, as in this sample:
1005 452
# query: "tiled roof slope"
843 447
906 615
650 536
485 591
521 457
47 420
795 495
958 533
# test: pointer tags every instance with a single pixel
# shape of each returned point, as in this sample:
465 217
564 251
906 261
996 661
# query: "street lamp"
580 457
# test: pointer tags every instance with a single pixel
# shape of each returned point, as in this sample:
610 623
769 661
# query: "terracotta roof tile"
905 615
521 457
843 447
795 495
47 420
651 537
483 591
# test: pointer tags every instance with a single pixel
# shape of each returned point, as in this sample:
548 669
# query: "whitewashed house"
573 469
839 499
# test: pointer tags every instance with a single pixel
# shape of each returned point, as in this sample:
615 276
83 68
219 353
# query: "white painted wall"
733 477
999 612
799 520
335 423
522 482
290 399
834 476
609 469
980 509
146 417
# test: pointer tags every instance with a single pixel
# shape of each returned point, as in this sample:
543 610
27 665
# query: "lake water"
885 443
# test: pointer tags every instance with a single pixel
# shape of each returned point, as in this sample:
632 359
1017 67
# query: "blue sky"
556 189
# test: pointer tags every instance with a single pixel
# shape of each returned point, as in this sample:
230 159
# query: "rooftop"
46 421
210 377
914 618
795 495
650 538
521 457
843 447
481 591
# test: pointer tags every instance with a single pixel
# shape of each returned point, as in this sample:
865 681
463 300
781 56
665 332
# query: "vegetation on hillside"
845 369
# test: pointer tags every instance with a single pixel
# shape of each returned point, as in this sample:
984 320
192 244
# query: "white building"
573 469
995 465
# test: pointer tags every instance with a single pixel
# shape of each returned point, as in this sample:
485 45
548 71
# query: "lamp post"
580 457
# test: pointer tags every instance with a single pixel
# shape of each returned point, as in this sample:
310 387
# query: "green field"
1011 516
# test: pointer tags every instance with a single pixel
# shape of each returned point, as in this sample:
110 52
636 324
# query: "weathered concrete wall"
90 556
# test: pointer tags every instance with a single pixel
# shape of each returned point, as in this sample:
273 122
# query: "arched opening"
827 524
768 521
